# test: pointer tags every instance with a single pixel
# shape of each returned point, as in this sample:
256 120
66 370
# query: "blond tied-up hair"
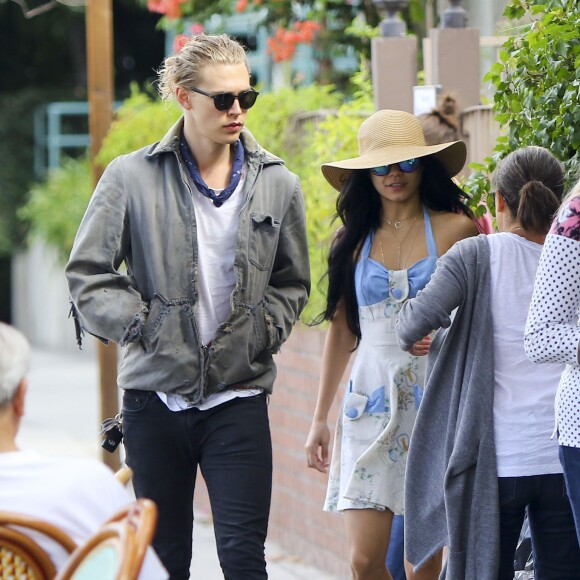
14 361
184 68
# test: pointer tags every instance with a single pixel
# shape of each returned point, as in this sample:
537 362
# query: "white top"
75 494
552 331
217 229
524 392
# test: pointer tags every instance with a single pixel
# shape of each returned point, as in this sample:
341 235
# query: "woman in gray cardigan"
481 453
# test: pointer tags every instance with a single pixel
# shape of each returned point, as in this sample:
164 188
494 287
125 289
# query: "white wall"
40 302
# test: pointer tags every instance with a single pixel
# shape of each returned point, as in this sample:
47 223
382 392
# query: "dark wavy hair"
358 208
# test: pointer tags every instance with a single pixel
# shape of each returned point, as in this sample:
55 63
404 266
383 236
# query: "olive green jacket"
142 214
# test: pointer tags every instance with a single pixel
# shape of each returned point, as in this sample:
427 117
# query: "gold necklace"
398 223
400 243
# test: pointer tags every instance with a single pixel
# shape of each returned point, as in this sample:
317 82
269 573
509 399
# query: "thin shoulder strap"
367 245
431 245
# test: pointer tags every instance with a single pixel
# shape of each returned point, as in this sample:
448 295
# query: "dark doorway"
5 290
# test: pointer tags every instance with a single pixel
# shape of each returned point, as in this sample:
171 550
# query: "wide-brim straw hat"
389 137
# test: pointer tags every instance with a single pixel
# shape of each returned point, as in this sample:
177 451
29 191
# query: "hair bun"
448 104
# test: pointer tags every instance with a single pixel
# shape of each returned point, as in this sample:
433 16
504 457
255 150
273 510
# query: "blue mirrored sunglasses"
406 166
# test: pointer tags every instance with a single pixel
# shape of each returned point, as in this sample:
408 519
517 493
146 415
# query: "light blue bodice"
374 283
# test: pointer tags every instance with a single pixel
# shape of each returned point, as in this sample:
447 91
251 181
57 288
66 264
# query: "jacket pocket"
264 233
169 326
158 310
167 356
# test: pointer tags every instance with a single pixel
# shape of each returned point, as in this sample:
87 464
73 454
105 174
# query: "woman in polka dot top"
553 332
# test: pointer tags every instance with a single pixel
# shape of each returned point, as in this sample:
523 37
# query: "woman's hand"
421 347
317 446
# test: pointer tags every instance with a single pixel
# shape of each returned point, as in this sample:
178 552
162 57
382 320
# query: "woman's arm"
552 333
338 348
432 307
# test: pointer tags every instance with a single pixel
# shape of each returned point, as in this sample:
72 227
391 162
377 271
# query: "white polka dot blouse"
552 331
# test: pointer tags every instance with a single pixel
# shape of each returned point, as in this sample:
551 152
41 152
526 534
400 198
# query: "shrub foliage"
537 87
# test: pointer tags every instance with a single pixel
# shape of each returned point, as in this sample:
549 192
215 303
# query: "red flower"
170 8
179 42
282 46
280 49
155 6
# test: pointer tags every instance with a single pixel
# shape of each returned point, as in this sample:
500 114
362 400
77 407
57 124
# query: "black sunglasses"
225 101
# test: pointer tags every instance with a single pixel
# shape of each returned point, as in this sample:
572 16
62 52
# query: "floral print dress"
383 392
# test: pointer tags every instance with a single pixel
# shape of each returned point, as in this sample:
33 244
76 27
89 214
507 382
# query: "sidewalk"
62 418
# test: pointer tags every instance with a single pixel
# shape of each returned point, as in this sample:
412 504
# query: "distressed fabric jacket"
142 214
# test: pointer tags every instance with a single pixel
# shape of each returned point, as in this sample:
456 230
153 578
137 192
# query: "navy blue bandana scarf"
217 199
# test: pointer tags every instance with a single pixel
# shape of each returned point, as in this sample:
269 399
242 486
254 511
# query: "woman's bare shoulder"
449 228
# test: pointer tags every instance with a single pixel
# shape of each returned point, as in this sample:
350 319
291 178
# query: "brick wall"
297 522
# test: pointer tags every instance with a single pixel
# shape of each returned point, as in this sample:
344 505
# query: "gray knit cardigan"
451 495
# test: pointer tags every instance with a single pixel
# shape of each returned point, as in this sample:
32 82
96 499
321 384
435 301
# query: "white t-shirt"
217 229
523 408
75 494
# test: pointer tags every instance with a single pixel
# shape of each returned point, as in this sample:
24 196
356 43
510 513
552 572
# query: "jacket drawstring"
79 332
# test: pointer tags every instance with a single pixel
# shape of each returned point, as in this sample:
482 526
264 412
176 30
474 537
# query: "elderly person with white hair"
75 494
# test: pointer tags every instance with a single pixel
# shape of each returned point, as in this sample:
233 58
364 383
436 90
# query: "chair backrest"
124 474
21 556
117 550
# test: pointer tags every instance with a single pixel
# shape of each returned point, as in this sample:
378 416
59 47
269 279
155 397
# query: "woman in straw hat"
400 211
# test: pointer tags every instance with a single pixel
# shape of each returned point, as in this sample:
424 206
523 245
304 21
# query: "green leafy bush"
332 138
56 205
17 154
270 121
537 88
140 121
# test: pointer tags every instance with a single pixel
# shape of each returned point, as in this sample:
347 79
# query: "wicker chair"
20 555
117 550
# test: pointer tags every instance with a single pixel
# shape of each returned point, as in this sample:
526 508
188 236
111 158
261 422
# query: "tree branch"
32 12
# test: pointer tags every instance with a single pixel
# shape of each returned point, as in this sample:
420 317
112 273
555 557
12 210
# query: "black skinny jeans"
232 445
554 542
